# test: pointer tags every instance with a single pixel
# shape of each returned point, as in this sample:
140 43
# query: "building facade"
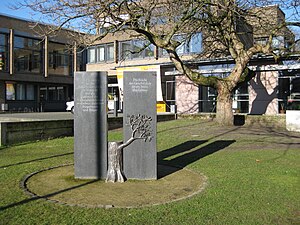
267 93
36 72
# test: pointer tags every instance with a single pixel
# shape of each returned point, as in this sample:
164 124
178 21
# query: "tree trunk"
115 164
224 114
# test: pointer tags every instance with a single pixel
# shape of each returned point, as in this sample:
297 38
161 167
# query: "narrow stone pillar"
90 125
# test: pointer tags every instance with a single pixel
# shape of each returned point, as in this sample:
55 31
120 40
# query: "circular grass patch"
59 185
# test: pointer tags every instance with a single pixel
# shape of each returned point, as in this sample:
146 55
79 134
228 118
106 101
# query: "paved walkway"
16 117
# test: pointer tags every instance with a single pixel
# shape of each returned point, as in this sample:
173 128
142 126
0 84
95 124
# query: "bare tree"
140 130
223 24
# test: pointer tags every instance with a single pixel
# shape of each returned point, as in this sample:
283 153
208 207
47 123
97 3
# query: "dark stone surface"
90 125
140 157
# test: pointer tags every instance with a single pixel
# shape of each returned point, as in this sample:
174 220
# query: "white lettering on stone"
89 98
139 85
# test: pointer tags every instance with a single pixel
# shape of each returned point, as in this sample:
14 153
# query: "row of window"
101 53
28 92
52 93
208 97
28 56
28 53
138 49
278 42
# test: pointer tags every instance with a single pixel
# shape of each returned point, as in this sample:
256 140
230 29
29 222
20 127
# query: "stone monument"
90 125
139 124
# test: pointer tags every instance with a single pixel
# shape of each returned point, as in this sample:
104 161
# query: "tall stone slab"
90 125
140 157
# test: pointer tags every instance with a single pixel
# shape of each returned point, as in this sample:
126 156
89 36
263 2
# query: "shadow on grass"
177 164
287 134
271 135
35 197
34 160
187 155
181 148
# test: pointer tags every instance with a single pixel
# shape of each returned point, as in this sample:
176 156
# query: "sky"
20 13
27 14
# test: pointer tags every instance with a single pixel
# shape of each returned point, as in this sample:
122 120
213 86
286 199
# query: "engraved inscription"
139 85
89 98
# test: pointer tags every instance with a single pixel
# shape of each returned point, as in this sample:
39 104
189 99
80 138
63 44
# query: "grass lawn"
253 178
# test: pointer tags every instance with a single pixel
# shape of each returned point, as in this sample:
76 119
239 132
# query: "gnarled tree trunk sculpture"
141 129
115 164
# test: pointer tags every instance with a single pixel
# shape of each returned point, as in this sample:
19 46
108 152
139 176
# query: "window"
135 49
125 50
208 96
288 93
10 92
91 55
43 93
81 59
189 45
53 93
241 99
101 53
30 92
218 70
27 54
61 93
59 59
20 92
110 52
170 90
181 48
207 99
3 52
149 51
3 39
277 42
194 44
